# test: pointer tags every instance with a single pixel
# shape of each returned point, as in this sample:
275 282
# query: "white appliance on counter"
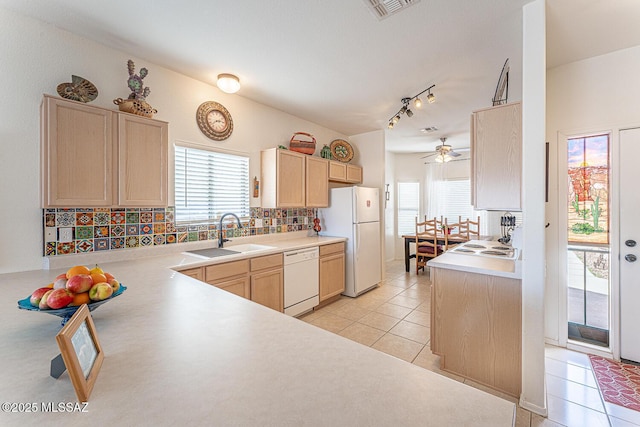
354 213
301 285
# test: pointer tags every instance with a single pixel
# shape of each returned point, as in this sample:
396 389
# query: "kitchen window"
209 184
408 207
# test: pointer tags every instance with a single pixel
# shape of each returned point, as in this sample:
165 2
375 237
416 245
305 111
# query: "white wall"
36 57
599 94
533 395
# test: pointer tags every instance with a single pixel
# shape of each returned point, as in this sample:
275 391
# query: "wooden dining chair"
463 230
427 246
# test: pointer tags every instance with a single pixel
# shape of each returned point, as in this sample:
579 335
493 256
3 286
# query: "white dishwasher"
301 286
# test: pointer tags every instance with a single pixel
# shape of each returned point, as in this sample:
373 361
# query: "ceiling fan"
444 152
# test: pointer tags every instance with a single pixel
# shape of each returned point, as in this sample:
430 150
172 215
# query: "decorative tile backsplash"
78 230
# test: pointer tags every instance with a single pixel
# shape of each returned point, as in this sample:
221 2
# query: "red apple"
114 284
109 276
36 296
43 301
79 283
100 291
59 298
61 276
60 283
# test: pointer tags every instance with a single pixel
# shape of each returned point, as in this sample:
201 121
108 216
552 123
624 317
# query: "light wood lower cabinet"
267 281
332 270
476 327
231 276
196 273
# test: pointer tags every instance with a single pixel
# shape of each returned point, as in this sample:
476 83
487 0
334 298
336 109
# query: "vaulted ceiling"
333 62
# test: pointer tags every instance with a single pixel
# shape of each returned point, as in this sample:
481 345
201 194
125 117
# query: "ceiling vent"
429 129
385 8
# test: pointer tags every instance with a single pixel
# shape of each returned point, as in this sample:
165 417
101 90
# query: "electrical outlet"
50 234
65 234
258 222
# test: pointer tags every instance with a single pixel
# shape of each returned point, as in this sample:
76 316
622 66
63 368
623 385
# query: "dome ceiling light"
228 83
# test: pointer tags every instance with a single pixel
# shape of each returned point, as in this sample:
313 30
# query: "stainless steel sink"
213 252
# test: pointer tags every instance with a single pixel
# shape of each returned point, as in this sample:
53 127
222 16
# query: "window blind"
454 199
209 184
408 207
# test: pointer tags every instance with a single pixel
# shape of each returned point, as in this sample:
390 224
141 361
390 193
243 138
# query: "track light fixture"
417 102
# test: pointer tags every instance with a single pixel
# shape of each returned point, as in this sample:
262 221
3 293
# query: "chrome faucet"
221 238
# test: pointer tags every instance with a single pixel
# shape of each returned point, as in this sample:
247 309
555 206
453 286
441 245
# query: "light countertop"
502 267
179 351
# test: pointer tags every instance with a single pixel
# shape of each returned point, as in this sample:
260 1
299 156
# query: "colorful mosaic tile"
50 220
101 218
65 219
84 233
84 218
132 241
64 248
101 244
146 240
85 245
116 231
133 217
117 218
102 231
50 248
117 243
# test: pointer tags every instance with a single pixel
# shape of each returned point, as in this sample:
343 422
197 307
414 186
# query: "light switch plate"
65 234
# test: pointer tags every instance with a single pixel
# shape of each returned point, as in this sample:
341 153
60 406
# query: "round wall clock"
214 120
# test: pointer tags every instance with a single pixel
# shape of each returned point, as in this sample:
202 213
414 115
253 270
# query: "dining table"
411 238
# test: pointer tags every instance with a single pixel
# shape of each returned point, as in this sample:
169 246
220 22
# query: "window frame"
244 213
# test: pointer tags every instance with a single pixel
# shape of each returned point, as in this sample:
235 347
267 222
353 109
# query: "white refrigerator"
354 213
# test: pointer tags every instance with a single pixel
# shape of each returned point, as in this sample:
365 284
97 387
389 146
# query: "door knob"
631 257
630 243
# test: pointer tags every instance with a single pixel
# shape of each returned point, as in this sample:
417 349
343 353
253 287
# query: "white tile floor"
394 318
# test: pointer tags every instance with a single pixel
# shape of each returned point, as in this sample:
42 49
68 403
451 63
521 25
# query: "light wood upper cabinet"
317 182
496 153
94 157
354 174
77 154
332 270
283 179
143 149
342 172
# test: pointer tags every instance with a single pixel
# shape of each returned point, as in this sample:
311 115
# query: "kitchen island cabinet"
476 326
217 352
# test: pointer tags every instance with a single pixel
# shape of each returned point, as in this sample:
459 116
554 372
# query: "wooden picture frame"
81 351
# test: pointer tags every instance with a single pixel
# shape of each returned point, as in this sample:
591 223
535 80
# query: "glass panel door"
588 239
